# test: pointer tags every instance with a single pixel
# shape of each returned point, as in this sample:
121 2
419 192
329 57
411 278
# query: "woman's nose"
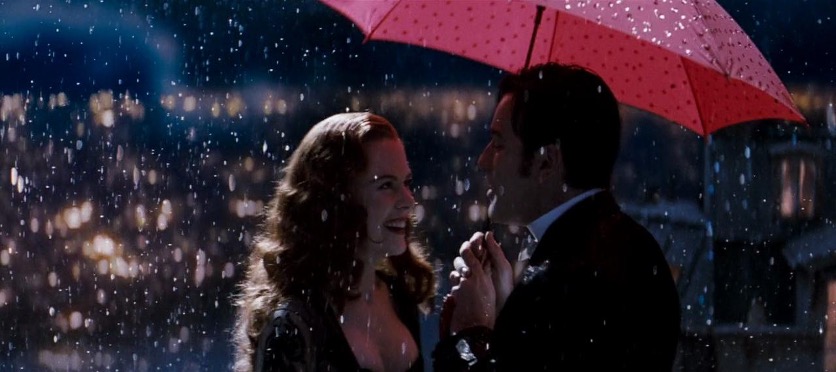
407 199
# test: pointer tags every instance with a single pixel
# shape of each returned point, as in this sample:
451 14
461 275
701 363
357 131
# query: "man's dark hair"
567 103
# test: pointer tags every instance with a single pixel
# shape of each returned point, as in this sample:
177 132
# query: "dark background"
300 52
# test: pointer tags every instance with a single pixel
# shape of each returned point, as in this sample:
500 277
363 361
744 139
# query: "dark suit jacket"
597 295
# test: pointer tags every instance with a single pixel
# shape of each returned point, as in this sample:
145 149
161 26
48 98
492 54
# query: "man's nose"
483 163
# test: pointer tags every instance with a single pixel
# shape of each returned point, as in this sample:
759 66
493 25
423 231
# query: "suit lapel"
571 230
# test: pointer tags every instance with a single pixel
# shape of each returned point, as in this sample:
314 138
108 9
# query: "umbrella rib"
554 35
702 122
382 19
715 60
537 19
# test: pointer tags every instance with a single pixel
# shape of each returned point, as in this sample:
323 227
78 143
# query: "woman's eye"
385 186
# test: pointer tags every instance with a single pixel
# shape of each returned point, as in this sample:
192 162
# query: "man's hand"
473 294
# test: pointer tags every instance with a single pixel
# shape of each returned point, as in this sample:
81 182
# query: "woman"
333 282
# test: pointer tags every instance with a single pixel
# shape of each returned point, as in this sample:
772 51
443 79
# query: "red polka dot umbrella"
685 60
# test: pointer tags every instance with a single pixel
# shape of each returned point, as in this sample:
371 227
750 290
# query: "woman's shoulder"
293 314
292 329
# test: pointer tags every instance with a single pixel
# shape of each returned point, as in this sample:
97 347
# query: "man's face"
511 194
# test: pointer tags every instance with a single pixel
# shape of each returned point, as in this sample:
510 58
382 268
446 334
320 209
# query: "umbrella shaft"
537 19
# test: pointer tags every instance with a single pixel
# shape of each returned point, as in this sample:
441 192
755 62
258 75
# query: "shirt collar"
539 226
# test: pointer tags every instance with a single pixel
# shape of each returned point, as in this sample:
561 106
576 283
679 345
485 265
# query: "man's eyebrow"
386 177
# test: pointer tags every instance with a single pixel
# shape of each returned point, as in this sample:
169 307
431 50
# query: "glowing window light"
216 110
162 222
459 110
455 130
429 192
200 267
5 258
152 177
72 218
101 296
106 118
189 103
231 182
103 246
140 216
245 207
184 334
169 102
459 187
75 320
101 101
167 208
281 107
119 267
135 175
59 361
50 229
475 212
86 211
229 270
797 194
133 269
102 266
234 106
253 207
471 112
268 106
241 208
62 99
419 213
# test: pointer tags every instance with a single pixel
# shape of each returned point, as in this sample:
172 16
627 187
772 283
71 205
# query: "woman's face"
383 189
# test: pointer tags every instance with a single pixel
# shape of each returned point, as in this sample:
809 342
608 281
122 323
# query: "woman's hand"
473 297
502 275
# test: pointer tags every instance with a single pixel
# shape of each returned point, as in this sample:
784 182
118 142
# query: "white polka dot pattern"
685 60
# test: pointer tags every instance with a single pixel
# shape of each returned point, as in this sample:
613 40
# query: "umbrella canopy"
685 60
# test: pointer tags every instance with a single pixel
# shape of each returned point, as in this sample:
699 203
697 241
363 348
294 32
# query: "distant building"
756 263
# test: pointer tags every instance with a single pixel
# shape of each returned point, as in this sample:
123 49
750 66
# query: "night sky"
148 45
204 165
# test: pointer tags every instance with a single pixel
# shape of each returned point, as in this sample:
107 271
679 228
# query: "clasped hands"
482 280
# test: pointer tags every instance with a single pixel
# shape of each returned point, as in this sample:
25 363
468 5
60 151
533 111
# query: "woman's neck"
368 279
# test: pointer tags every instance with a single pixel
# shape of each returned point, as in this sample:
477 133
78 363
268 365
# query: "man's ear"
548 162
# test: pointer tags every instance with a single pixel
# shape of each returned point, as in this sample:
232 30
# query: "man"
596 293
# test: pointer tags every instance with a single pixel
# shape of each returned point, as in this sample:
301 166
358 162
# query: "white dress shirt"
538 227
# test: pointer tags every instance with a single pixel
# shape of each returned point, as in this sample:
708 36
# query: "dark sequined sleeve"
285 344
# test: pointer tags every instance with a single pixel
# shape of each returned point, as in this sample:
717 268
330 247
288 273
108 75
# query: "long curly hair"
312 229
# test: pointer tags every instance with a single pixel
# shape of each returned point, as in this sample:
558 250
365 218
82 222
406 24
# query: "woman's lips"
397 226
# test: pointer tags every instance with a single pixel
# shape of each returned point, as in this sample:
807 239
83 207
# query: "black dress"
304 335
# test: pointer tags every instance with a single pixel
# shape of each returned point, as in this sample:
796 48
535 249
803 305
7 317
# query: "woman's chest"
379 340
